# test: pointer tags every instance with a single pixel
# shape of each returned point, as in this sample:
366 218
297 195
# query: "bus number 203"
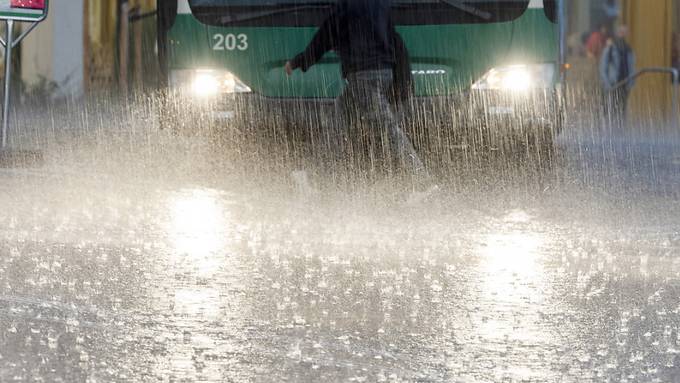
230 42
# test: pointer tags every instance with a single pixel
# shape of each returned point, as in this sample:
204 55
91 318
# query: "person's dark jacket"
402 86
617 64
360 33
363 35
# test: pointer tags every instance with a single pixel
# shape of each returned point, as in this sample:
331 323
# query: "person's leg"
624 105
619 101
605 102
339 128
611 108
377 111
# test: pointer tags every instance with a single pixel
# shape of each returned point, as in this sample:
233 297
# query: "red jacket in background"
596 44
33 4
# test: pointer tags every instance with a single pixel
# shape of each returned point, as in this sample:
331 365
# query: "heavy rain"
151 233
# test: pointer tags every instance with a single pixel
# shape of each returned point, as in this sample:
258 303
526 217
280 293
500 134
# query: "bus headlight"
207 83
517 78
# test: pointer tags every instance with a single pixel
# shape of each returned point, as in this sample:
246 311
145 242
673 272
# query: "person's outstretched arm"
324 40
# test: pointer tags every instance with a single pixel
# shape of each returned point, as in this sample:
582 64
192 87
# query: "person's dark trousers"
616 105
364 104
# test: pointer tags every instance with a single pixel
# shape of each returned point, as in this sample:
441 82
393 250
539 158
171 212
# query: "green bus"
476 64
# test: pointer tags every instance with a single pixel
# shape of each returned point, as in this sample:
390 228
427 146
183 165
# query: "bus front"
477 59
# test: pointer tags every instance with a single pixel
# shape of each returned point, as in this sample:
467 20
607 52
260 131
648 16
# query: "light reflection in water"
198 302
511 280
511 293
510 255
198 229
200 234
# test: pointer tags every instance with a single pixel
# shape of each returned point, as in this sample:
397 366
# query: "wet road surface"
140 257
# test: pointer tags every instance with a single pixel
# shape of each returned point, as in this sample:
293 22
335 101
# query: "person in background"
597 41
575 45
617 66
372 58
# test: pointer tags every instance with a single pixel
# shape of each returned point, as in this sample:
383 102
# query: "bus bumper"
494 113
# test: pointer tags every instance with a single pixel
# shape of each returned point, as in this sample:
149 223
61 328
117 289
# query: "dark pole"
562 25
9 42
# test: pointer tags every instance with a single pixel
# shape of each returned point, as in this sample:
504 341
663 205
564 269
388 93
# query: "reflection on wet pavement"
126 277
219 289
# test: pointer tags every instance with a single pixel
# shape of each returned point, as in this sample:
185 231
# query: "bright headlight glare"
517 78
206 83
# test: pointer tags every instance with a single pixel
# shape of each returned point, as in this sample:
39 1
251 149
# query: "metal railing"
675 74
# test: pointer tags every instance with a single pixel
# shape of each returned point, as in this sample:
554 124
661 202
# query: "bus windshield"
312 12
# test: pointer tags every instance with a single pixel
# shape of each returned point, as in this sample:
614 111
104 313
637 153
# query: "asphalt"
139 255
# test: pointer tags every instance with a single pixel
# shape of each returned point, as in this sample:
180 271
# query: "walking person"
616 65
372 58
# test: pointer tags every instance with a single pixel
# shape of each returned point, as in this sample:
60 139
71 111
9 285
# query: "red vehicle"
32 4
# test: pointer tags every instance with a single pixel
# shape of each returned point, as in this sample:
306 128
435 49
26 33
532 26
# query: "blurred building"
51 56
118 46
651 37
78 47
